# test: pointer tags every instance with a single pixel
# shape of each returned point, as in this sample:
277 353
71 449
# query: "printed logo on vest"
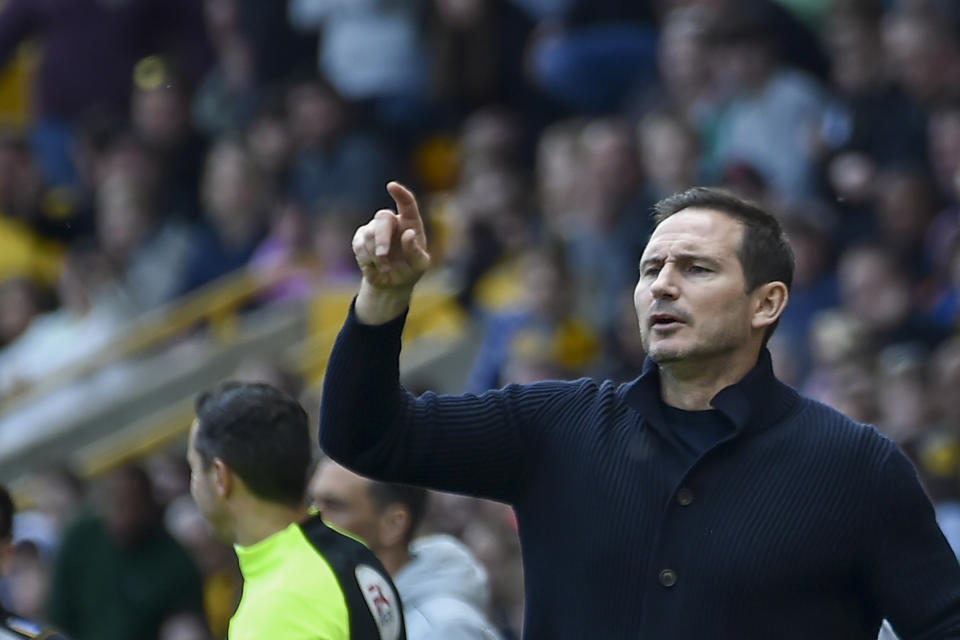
383 602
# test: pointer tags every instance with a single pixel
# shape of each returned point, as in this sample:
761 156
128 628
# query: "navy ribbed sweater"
800 524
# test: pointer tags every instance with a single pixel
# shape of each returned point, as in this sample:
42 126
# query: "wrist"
379 306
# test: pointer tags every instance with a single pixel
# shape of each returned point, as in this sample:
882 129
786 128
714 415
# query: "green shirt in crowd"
104 591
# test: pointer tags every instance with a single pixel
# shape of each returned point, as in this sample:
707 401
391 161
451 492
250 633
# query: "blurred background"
180 181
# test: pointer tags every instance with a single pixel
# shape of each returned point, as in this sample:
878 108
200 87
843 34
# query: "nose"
665 286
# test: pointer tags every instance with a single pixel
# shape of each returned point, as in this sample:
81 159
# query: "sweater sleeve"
476 445
913 573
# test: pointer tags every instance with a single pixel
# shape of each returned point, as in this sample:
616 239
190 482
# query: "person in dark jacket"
704 499
12 626
118 573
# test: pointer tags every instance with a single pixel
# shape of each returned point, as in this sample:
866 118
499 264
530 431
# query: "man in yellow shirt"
250 457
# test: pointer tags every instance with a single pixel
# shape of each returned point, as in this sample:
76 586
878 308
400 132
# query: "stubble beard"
665 354
698 351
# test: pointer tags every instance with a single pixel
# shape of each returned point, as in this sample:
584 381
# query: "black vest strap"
350 559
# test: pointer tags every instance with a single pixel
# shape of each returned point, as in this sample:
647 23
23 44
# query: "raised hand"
391 251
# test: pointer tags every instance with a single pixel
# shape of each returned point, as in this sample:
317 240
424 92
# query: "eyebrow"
681 257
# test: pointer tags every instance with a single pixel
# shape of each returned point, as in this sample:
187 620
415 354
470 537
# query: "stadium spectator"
265 25
30 233
148 251
587 55
13 626
493 221
477 58
814 284
686 83
771 112
871 116
118 573
227 97
443 587
271 146
160 121
58 496
878 293
89 52
542 326
234 215
923 51
92 311
841 371
669 150
373 53
608 230
336 163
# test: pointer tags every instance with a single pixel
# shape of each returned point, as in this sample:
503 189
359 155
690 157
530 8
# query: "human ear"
769 301
222 478
394 525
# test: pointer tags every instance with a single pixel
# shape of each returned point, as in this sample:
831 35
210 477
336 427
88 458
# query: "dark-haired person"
705 499
443 586
118 573
250 458
13 627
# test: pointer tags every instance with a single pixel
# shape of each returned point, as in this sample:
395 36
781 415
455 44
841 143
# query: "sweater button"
684 496
668 577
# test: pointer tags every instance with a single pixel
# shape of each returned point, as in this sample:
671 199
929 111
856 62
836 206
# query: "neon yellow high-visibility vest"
309 581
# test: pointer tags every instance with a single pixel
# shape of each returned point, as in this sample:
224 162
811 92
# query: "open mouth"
663 321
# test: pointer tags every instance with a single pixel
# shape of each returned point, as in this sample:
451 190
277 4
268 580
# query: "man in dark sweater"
706 499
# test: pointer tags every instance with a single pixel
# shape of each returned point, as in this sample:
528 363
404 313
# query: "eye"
649 271
696 268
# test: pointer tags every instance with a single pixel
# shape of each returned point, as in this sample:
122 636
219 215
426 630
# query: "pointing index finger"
406 203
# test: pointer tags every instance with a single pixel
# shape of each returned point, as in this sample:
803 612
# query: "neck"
263 519
394 559
691 386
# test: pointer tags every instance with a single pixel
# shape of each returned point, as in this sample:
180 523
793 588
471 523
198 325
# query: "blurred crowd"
172 142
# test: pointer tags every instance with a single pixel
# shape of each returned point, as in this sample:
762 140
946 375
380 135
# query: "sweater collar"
757 401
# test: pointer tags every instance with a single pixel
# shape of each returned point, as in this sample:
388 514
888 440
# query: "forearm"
464 443
361 389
